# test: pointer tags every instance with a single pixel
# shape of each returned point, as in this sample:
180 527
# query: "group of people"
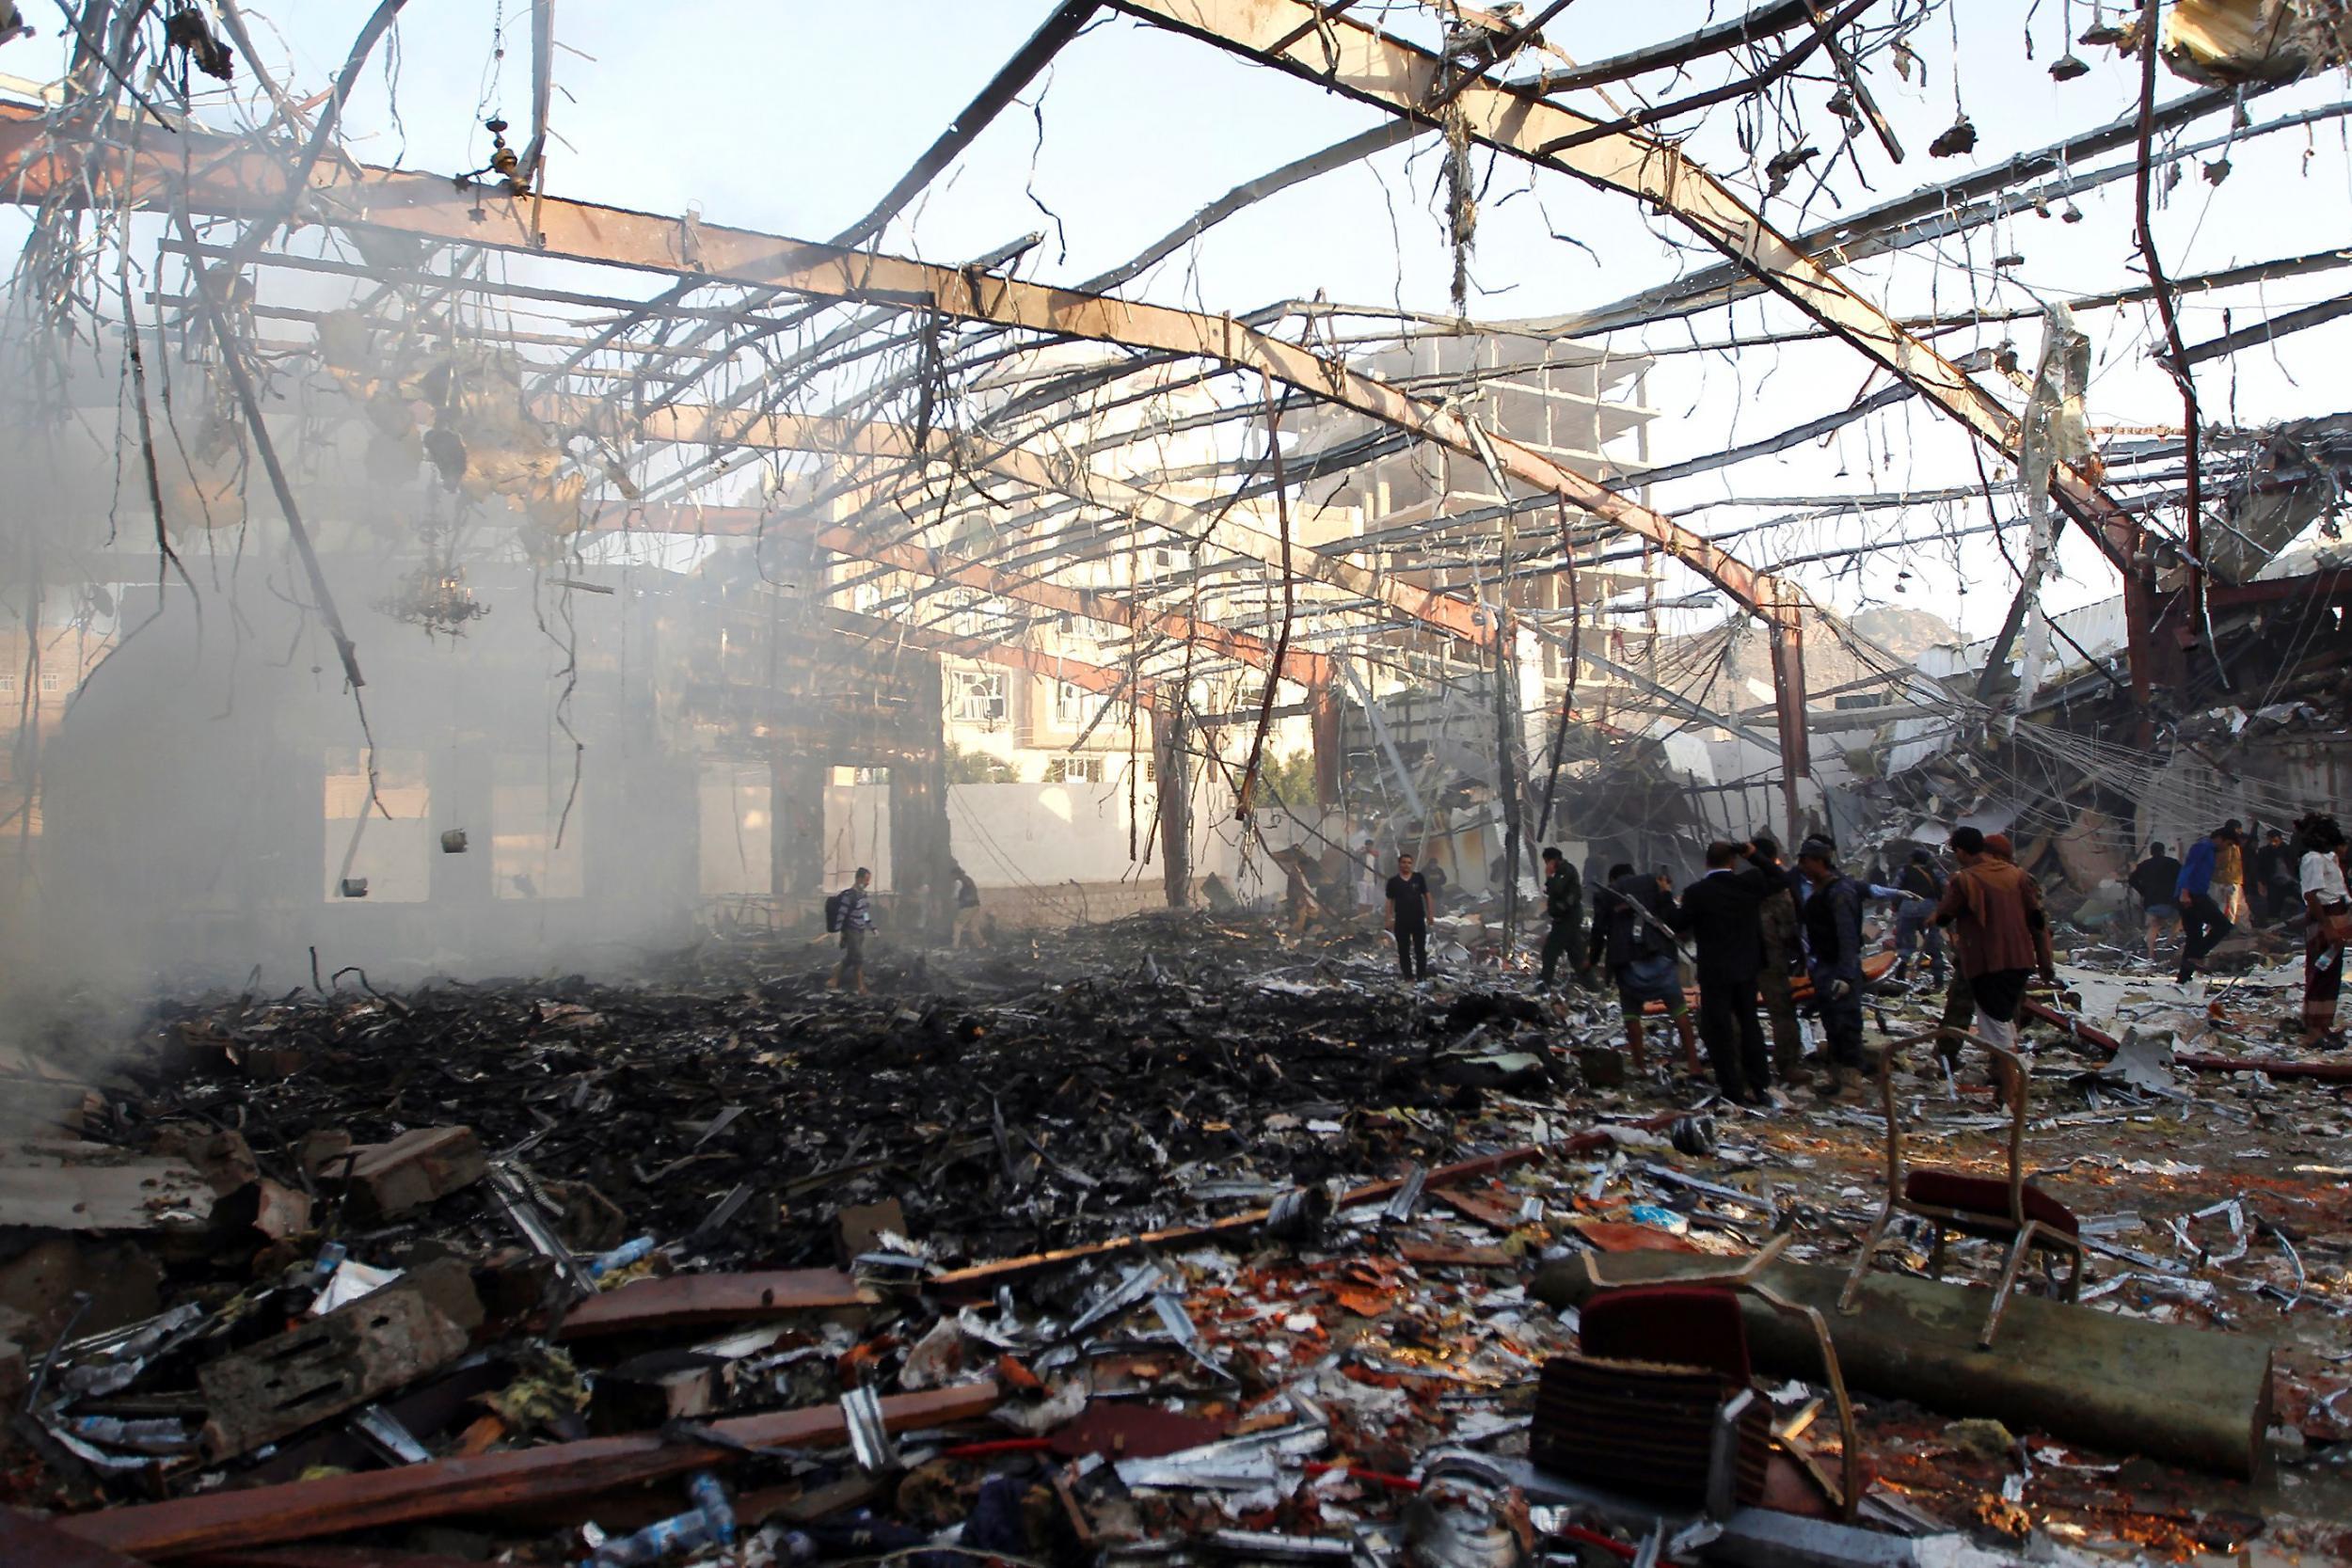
2206 892
1766 935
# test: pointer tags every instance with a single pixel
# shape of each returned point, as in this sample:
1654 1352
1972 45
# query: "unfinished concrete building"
511 508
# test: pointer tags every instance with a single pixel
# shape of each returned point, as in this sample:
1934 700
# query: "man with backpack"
1632 931
850 911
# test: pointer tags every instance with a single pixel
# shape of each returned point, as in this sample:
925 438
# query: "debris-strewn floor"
538 1213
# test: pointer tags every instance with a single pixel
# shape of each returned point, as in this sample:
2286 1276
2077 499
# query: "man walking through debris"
1995 909
1563 907
1833 935
2156 879
1783 947
2203 927
1720 912
855 915
1410 909
967 931
1632 929
2276 887
1915 931
2329 910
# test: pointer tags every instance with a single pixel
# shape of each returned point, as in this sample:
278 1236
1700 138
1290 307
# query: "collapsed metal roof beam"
238 183
1925 215
1374 68
1002 88
795 433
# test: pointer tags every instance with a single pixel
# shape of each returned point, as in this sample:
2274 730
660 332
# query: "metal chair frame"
1847 1494
2024 1234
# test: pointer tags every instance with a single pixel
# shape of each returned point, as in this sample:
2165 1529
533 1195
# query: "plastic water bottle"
620 1257
712 1499
671 1537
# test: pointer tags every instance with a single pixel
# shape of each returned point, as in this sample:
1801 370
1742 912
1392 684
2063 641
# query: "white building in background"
1054 784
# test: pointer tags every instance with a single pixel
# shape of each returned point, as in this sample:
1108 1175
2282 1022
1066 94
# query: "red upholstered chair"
1689 1325
1992 1207
1660 1401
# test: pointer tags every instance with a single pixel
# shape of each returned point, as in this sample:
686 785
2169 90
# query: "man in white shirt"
2330 915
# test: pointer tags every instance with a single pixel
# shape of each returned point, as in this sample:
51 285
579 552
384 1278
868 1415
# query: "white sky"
795 116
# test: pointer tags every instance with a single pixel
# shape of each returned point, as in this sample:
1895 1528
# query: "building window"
7 686
391 861
978 697
527 810
51 683
1074 771
1070 706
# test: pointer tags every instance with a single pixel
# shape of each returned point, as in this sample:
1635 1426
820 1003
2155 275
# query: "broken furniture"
1660 1401
2009 1209
2182 1396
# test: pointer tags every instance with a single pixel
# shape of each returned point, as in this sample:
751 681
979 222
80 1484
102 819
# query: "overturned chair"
1659 1403
1990 1208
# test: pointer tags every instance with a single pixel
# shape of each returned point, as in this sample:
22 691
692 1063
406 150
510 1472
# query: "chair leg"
2073 1289
1936 1254
2017 1250
1862 1264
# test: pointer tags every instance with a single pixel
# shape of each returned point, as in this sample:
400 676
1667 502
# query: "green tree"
978 768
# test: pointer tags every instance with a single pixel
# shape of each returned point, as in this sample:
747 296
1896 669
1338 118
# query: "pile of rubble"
1170 1244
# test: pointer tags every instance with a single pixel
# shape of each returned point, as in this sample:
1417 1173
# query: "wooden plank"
1431 1256
1618 1235
28 1539
327 1556
485 1483
1471 1206
2326 1072
1005 1268
695 1299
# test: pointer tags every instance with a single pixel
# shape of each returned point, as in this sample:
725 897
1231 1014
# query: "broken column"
919 850
1175 781
796 827
1324 714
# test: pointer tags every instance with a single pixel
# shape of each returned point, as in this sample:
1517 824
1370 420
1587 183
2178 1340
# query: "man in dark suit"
1720 909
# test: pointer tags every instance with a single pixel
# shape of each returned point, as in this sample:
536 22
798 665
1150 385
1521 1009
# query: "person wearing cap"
2203 927
1632 931
1994 910
1833 935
